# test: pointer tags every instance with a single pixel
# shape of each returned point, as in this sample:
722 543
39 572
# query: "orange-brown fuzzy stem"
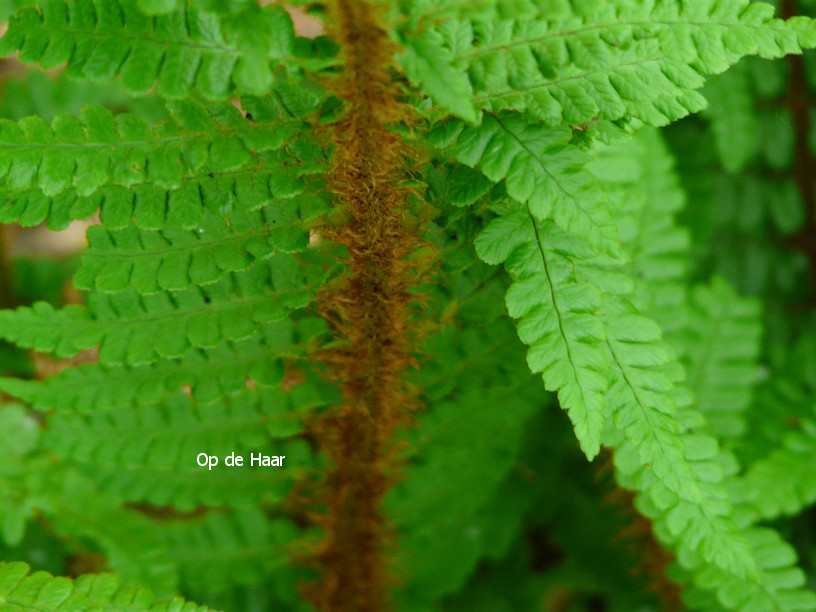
369 311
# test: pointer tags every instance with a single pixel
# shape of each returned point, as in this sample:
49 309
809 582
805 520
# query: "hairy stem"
369 311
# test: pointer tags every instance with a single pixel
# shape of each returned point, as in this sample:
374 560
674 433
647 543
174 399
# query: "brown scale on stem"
369 311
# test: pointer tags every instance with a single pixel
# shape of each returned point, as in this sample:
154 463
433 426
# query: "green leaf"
641 398
575 64
542 170
127 324
41 591
426 61
158 7
97 149
211 373
724 332
557 316
121 450
183 48
151 261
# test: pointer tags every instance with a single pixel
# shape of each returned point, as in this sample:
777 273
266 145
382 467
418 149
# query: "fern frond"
184 50
639 179
732 116
781 585
608 60
723 349
542 171
704 529
657 432
641 397
81 513
138 329
222 549
558 316
37 483
21 590
173 259
96 149
149 455
211 373
783 482
150 207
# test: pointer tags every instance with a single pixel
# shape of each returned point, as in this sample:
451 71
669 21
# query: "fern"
219 550
174 259
112 38
153 208
211 373
722 366
775 485
641 400
541 172
42 591
734 123
157 448
557 318
94 149
638 177
124 323
342 249
599 60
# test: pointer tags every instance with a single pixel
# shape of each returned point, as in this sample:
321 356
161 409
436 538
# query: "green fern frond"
608 60
780 585
138 329
20 590
542 171
211 373
183 51
97 149
173 259
783 482
128 538
269 177
641 397
37 484
723 349
639 179
221 549
702 530
735 124
659 449
159 444
558 316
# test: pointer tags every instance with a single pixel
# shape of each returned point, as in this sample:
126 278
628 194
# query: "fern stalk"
369 312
